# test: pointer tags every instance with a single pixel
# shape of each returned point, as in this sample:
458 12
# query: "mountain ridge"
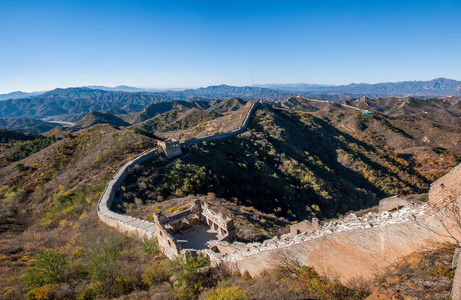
430 88
18 95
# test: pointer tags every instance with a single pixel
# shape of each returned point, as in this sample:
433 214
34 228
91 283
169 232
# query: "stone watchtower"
171 147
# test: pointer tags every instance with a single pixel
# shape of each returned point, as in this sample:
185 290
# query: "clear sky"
160 44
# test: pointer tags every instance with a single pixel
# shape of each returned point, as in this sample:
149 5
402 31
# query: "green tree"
49 267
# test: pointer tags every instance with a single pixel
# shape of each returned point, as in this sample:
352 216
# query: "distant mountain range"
120 88
433 88
131 89
19 95
85 99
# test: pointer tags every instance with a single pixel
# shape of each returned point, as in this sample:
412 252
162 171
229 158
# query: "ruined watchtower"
168 228
304 226
171 147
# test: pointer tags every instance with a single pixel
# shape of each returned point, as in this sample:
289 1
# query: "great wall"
146 229
348 248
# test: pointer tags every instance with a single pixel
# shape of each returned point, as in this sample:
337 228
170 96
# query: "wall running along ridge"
143 228
242 128
124 223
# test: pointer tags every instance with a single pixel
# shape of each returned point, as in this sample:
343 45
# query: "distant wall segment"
243 126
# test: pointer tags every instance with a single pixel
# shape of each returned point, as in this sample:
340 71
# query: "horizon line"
144 89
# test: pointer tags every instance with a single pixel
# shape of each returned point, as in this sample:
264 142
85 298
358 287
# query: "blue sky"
161 44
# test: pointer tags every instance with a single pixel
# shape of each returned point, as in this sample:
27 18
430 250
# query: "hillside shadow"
329 139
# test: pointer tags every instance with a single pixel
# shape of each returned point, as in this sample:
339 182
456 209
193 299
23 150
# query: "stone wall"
167 242
356 246
252 106
346 255
182 220
145 229
349 247
166 226
124 223
219 222
446 189
445 200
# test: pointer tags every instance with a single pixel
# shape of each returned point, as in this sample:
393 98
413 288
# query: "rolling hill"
27 125
94 118
74 101
445 110
159 108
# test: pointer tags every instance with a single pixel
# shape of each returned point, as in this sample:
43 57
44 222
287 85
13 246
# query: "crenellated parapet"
122 222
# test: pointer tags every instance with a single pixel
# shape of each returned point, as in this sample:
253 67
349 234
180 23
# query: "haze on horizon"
160 44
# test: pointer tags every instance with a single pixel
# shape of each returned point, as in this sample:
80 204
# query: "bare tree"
282 259
448 215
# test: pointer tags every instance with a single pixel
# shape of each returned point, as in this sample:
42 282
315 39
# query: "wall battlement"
304 227
171 147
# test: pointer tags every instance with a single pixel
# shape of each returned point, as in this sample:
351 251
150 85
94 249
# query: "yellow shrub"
227 293
42 293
